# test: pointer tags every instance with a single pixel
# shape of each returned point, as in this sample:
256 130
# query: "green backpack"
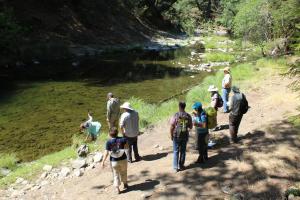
211 117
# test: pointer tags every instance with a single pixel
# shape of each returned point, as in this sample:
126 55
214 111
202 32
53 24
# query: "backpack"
83 150
211 114
181 128
219 101
115 105
116 150
244 105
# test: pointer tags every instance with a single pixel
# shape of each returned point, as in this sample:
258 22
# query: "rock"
44 183
146 195
44 175
238 196
47 168
4 171
92 166
17 193
25 182
78 163
37 187
65 171
83 150
156 146
89 160
28 187
78 172
98 157
19 180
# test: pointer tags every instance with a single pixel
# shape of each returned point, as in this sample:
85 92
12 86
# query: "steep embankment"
80 22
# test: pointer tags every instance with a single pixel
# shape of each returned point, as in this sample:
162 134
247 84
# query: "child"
116 147
92 128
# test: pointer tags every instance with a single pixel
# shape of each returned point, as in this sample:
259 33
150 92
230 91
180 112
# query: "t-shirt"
226 80
116 147
130 122
198 122
93 128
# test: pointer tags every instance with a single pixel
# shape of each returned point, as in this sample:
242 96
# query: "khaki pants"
119 169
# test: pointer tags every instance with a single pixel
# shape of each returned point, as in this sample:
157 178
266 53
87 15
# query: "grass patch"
219 57
8 161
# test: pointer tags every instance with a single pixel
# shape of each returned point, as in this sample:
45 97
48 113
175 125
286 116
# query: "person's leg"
175 154
232 127
135 149
225 97
196 140
123 172
130 145
182 153
206 147
201 138
116 175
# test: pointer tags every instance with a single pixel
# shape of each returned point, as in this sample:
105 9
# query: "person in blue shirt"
199 119
116 148
92 128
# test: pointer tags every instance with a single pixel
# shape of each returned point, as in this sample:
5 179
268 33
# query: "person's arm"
204 121
172 127
122 119
106 153
108 112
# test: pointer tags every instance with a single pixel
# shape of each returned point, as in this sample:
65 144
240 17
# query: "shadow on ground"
246 178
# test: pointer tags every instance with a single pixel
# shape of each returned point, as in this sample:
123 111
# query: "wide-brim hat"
126 105
212 88
226 69
235 89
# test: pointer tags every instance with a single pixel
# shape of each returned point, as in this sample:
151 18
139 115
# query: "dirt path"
261 166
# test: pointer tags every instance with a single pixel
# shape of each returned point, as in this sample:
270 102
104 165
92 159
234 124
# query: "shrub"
8 161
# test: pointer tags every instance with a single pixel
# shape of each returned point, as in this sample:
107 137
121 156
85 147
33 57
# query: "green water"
41 112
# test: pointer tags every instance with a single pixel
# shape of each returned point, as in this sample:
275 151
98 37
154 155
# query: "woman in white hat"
216 100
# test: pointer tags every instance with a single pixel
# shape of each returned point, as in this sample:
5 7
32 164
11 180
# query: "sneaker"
126 186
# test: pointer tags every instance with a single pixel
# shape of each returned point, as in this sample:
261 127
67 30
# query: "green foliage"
10 34
185 15
219 57
229 8
253 21
8 161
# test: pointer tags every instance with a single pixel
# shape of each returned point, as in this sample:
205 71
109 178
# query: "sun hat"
235 89
197 105
126 105
226 69
212 88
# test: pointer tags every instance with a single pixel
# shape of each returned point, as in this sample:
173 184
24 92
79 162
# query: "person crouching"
116 147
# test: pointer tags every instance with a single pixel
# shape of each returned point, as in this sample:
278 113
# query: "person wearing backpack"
181 124
115 148
199 119
113 110
238 106
216 99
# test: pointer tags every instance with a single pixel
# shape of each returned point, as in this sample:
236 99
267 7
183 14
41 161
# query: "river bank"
151 114
229 165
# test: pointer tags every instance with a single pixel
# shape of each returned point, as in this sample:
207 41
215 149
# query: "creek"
42 105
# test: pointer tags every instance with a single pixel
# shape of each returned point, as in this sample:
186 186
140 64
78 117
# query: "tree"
228 10
253 22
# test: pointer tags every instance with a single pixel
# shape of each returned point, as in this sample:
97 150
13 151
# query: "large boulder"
78 163
98 157
65 171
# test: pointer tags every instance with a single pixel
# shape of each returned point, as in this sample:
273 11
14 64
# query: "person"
129 125
216 101
199 119
116 147
226 88
181 123
92 128
236 112
113 110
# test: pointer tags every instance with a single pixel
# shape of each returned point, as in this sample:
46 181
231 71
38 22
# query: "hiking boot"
138 159
126 186
181 168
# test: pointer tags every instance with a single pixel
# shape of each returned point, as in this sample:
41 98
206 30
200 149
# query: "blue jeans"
179 151
225 97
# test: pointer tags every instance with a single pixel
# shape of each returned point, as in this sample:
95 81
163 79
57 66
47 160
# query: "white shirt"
130 122
226 80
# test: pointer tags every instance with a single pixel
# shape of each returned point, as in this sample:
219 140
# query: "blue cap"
197 105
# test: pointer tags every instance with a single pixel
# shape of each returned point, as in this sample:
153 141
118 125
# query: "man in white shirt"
226 88
113 111
129 124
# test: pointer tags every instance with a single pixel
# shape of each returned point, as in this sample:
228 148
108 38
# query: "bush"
8 161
